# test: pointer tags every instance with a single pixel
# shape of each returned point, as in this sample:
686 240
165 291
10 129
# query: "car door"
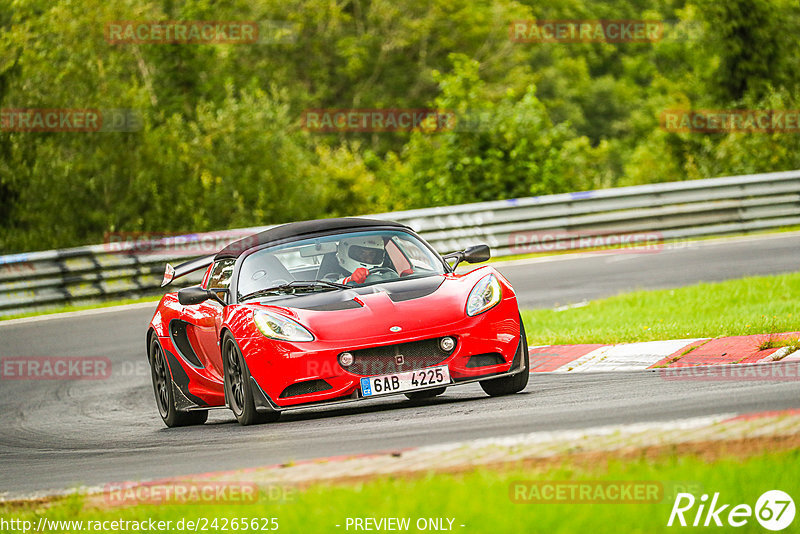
204 320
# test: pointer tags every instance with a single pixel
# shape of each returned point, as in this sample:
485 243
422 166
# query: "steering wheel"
331 277
378 271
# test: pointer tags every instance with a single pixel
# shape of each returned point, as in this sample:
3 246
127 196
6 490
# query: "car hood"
412 305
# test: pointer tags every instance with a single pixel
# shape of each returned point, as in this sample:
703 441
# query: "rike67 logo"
774 510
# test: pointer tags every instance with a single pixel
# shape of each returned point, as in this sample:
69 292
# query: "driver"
357 255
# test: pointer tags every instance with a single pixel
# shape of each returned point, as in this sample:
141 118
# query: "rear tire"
426 394
515 383
162 387
239 387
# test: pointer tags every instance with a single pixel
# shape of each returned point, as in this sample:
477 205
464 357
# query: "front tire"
515 383
162 387
239 387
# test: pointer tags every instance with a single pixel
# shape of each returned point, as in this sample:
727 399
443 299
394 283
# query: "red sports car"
331 311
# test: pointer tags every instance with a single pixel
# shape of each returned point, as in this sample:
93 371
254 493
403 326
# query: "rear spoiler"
171 273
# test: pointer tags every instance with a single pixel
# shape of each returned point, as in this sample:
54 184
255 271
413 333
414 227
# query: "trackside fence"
643 213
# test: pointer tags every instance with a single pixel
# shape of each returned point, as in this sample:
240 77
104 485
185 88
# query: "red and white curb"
660 354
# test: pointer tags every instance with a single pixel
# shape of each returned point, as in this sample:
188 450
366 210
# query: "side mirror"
189 296
477 254
473 254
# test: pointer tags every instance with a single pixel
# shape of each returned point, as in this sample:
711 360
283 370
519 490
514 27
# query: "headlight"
484 295
276 326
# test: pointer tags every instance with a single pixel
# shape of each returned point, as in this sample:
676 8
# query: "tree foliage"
221 142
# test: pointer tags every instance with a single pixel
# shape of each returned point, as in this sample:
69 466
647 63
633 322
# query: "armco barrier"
675 210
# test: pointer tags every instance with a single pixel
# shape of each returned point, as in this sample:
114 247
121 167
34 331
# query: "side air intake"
485 360
304 388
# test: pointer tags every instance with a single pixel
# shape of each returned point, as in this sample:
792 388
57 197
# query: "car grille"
397 358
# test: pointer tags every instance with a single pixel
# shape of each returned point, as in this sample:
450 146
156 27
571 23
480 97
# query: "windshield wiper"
294 284
310 283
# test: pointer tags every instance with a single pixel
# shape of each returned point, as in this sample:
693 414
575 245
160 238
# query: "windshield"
356 259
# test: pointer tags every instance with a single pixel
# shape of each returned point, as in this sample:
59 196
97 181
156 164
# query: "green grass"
480 499
792 343
81 307
756 305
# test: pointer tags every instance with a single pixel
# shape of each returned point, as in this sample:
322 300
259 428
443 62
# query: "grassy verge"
756 305
481 500
792 343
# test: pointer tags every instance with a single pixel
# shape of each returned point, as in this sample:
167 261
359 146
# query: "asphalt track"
57 435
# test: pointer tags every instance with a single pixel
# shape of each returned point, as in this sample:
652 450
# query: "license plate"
407 381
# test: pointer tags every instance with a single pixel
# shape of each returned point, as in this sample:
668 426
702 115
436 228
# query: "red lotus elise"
331 311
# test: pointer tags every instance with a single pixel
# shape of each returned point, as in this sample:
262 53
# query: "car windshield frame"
440 266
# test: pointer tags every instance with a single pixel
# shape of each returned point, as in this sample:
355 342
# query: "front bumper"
265 404
494 333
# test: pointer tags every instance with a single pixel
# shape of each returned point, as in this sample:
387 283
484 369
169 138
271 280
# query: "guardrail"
643 213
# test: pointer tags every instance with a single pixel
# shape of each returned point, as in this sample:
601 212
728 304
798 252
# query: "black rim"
160 379
235 378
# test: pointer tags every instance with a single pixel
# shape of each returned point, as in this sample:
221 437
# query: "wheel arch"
151 333
222 333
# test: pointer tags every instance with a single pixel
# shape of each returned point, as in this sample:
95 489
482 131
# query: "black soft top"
287 232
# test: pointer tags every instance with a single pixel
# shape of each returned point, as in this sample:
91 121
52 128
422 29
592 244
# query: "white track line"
80 313
610 252
625 356
573 435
